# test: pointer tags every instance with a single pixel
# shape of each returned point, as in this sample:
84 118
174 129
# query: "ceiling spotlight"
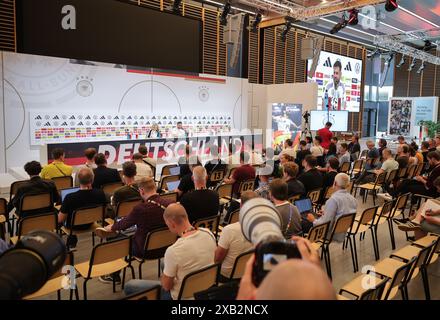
339 26
176 5
372 54
412 65
224 16
391 5
254 27
353 17
422 67
402 62
429 46
285 31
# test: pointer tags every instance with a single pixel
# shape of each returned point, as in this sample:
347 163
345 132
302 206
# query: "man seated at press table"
33 186
57 168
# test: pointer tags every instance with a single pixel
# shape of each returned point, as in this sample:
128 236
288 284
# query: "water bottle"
326 100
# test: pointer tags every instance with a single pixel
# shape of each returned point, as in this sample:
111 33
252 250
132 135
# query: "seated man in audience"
294 186
185 161
143 170
424 220
403 156
193 250
186 182
291 224
388 165
104 175
354 147
382 145
232 243
301 154
57 168
288 148
89 153
424 151
340 203
263 185
372 154
343 154
311 178
243 173
415 148
331 172
130 190
201 202
401 140
143 150
317 150
432 145
293 279
34 185
147 216
83 198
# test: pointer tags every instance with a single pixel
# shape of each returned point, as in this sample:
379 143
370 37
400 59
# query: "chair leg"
58 294
114 283
71 295
353 252
93 239
140 270
375 242
133 275
76 293
158 268
390 227
425 279
328 263
123 278
85 289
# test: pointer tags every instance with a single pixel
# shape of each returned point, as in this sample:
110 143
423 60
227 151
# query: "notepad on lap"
432 204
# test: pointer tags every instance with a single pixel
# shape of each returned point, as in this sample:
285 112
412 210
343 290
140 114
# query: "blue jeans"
138 285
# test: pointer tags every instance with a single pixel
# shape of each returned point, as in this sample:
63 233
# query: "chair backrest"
314 195
363 153
36 201
160 238
150 294
224 190
240 264
125 207
166 169
319 232
166 179
435 249
170 196
421 259
411 171
387 208
328 192
47 221
419 169
67 262
88 215
234 216
402 173
381 178
231 172
63 182
198 281
110 188
343 224
345 167
371 161
110 251
210 223
368 216
401 201
392 176
358 164
247 185
400 275
376 292
217 176
14 187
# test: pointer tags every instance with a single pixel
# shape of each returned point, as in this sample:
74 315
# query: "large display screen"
339 119
341 77
286 122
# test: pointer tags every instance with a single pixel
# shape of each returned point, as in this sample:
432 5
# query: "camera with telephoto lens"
261 224
25 268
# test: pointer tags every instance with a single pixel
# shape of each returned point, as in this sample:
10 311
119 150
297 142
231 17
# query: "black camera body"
269 254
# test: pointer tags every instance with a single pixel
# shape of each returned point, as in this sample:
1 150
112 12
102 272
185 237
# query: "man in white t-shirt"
143 170
232 243
336 89
179 132
194 250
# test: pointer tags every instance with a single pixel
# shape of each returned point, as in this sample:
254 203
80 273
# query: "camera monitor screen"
339 120
270 260
171 186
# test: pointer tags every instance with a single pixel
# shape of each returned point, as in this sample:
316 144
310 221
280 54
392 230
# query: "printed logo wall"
346 95
44 94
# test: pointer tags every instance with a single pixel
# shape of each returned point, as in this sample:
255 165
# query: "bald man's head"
296 279
176 213
199 174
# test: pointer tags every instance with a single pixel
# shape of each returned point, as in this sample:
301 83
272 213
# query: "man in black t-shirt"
85 197
186 183
102 174
202 202
332 171
215 164
311 178
130 191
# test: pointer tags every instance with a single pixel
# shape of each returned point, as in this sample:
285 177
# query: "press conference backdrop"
110 31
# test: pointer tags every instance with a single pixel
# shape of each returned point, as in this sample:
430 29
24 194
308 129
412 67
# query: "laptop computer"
171 186
304 206
65 192
175 171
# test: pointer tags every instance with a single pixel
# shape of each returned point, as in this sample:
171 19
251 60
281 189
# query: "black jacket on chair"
104 175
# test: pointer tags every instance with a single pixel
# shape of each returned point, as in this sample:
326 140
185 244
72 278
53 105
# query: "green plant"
433 127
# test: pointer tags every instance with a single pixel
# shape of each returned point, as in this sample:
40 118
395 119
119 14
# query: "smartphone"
270 254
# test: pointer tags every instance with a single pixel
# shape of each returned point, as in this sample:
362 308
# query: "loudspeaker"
307 48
